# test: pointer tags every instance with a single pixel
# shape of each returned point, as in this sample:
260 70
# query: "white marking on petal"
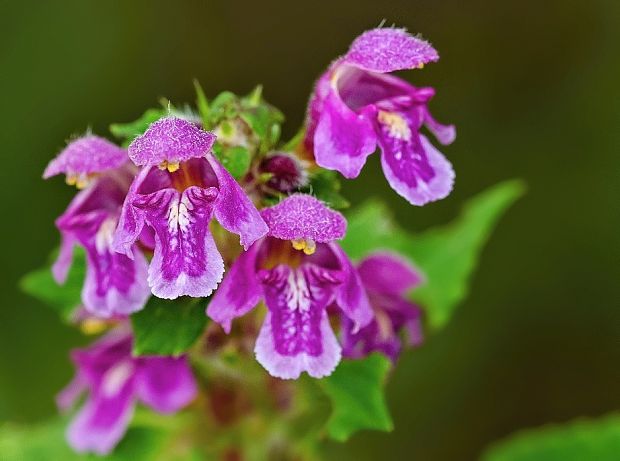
105 235
116 377
298 294
179 216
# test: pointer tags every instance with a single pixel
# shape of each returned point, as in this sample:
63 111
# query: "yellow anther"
170 166
299 244
92 326
82 182
310 247
421 65
71 179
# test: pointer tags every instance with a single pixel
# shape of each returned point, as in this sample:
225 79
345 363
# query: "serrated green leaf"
62 298
356 391
447 255
203 105
585 440
166 327
128 131
235 159
325 185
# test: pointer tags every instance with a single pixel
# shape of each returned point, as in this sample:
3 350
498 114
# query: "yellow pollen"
299 244
79 180
82 182
396 125
170 166
421 65
310 247
93 326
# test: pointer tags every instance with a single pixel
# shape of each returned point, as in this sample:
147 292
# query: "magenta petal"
302 216
234 210
413 327
239 292
87 155
343 139
131 221
445 134
291 366
389 49
172 140
416 170
351 296
102 422
296 335
107 371
60 268
115 284
166 384
186 261
389 273
66 398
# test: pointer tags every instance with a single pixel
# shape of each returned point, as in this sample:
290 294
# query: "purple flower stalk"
180 188
115 284
357 106
115 381
387 279
298 270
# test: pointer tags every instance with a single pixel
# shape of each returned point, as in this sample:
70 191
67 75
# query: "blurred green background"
533 89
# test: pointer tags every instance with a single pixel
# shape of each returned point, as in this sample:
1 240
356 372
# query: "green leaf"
166 327
255 97
203 104
356 391
128 131
46 441
235 159
325 185
224 106
577 441
260 119
447 255
62 298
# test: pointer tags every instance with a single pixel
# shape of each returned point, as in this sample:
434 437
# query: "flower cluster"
158 218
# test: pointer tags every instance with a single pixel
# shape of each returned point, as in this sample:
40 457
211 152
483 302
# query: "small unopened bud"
287 174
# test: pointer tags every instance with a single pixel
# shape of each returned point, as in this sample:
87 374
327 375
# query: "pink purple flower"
357 106
180 188
114 382
387 278
115 284
298 270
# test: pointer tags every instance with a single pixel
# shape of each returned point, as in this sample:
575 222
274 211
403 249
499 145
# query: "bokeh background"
533 89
